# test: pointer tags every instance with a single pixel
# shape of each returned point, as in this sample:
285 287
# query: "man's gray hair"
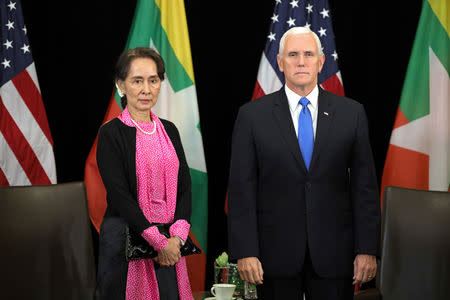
299 30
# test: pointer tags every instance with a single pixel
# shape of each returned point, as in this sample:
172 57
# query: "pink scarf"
157 175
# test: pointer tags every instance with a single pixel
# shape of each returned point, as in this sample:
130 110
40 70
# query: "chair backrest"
415 262
46 243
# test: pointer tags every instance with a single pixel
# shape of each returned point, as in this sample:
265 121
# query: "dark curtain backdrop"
75 45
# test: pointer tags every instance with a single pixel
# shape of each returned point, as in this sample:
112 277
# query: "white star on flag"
12 5
10 25
324 13
8 44
335 56
297 13
25 48
278 1
291 22
322 31
274 18
24 29
6 64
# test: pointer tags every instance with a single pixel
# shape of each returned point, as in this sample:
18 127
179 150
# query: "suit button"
308 186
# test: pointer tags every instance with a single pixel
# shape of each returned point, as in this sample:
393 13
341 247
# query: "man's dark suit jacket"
277 208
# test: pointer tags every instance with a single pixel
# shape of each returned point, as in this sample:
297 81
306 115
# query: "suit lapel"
324 119
283 118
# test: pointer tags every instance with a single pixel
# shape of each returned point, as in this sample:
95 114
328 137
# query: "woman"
144 170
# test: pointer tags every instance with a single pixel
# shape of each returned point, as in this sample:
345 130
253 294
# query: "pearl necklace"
146 132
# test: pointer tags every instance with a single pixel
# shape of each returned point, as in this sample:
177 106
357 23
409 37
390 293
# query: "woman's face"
141 86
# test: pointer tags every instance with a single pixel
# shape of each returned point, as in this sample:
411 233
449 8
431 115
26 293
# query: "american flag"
26 145
314 14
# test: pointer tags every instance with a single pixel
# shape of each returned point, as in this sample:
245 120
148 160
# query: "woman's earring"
121 94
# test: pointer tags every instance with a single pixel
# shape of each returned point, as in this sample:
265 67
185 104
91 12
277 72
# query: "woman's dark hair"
126 58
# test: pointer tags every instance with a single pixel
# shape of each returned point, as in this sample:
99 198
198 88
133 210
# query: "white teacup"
223 291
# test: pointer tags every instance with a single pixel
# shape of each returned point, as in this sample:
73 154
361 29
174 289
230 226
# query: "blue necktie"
305 132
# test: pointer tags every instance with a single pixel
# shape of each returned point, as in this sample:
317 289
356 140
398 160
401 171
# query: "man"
303 198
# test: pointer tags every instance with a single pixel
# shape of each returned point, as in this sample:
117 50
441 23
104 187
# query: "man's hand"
170 254
364 268
250 270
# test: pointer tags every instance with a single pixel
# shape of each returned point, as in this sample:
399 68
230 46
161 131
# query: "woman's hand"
170 254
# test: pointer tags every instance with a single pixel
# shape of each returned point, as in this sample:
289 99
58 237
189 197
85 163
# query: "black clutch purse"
136 247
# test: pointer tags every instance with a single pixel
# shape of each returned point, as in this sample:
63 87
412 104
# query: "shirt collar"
293 98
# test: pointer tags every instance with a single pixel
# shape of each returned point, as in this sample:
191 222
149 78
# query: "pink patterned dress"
157 173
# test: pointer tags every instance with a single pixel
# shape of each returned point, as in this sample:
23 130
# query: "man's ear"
322 62
280 65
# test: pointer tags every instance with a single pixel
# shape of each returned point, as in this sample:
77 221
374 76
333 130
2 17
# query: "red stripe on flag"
226 203
405 168
3 180
400 119
32 98
257 91
95 190
333 85
196 268
21 148
113 109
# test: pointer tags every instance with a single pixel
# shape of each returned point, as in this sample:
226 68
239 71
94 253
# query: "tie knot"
304 101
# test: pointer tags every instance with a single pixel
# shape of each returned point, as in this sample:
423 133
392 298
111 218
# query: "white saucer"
214 298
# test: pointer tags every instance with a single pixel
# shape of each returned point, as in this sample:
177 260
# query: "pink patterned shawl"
157 173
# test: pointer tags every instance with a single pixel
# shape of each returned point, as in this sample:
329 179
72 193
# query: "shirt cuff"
180 228
154 238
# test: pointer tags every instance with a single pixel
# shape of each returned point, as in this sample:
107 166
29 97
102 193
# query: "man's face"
300 62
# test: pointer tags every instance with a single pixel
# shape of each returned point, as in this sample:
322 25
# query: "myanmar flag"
419 154
161 24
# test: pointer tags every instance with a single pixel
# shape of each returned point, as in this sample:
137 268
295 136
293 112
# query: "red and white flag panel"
26 145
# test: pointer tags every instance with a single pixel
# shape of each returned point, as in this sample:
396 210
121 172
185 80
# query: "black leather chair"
415 255
46 243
